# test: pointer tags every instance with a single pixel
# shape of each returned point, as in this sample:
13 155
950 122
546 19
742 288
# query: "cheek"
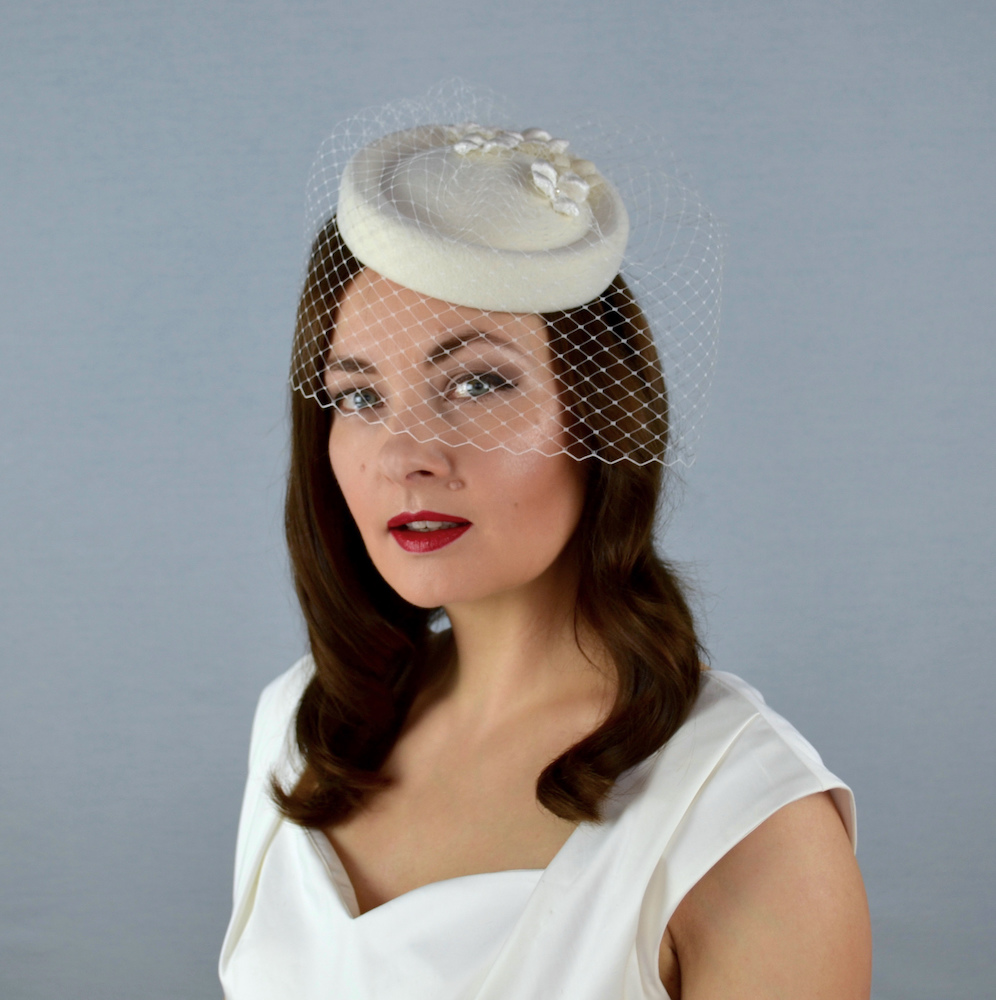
542 499
349 466
336 459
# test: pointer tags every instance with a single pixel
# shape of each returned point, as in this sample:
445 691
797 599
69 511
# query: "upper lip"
424 515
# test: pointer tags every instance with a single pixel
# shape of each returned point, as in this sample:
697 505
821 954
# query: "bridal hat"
588 227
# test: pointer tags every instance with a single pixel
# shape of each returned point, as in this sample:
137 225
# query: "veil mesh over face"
474 283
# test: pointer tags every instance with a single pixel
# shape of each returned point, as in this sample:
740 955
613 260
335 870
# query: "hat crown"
471 187
483 217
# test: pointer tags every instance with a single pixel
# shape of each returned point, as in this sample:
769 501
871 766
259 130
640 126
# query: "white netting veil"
477 280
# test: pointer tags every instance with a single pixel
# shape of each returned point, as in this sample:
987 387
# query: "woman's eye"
473 386
354 400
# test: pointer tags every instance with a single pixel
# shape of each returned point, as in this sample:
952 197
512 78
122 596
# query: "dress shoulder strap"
606 898
271 753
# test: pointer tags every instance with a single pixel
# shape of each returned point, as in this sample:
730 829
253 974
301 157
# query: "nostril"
404 458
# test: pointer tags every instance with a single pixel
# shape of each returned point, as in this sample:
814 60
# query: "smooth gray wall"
839 517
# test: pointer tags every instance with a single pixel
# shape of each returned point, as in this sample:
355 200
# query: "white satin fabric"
588 927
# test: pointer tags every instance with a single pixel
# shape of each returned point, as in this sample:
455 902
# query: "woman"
550 796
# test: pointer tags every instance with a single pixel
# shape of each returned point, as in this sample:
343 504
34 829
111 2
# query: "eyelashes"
473 386
466 386
355 400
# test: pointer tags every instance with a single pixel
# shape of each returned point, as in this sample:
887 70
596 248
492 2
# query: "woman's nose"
406 455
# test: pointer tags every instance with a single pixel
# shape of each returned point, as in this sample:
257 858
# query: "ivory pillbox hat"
482 217
601 236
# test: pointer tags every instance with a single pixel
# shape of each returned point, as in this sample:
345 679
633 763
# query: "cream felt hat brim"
486 218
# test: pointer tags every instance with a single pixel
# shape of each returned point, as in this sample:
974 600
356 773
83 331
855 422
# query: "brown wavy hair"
374 652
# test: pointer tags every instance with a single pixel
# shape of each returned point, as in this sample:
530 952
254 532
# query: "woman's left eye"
474 386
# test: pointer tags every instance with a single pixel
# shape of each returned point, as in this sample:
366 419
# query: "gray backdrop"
838 520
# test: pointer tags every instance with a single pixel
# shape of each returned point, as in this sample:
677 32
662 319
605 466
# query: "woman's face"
447 441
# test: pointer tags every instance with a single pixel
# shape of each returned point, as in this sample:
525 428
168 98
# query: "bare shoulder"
783 914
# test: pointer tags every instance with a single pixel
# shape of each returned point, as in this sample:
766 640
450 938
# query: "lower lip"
427 541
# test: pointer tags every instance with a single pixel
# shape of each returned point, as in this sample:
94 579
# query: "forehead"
379 318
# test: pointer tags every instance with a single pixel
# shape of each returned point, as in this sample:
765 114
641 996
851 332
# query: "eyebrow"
350 365
453 344
449 346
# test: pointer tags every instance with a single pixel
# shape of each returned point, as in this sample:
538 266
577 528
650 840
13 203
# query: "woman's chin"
444 588
435 597
420 600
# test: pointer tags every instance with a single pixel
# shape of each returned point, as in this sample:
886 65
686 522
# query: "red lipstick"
426 530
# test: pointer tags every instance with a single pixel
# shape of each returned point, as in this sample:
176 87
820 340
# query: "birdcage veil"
566 272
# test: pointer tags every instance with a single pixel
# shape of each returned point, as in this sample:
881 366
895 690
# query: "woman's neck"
519 650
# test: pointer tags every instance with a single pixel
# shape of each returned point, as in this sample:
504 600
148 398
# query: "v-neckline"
624 787
343 886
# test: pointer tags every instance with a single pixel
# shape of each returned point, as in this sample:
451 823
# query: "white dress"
587 927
